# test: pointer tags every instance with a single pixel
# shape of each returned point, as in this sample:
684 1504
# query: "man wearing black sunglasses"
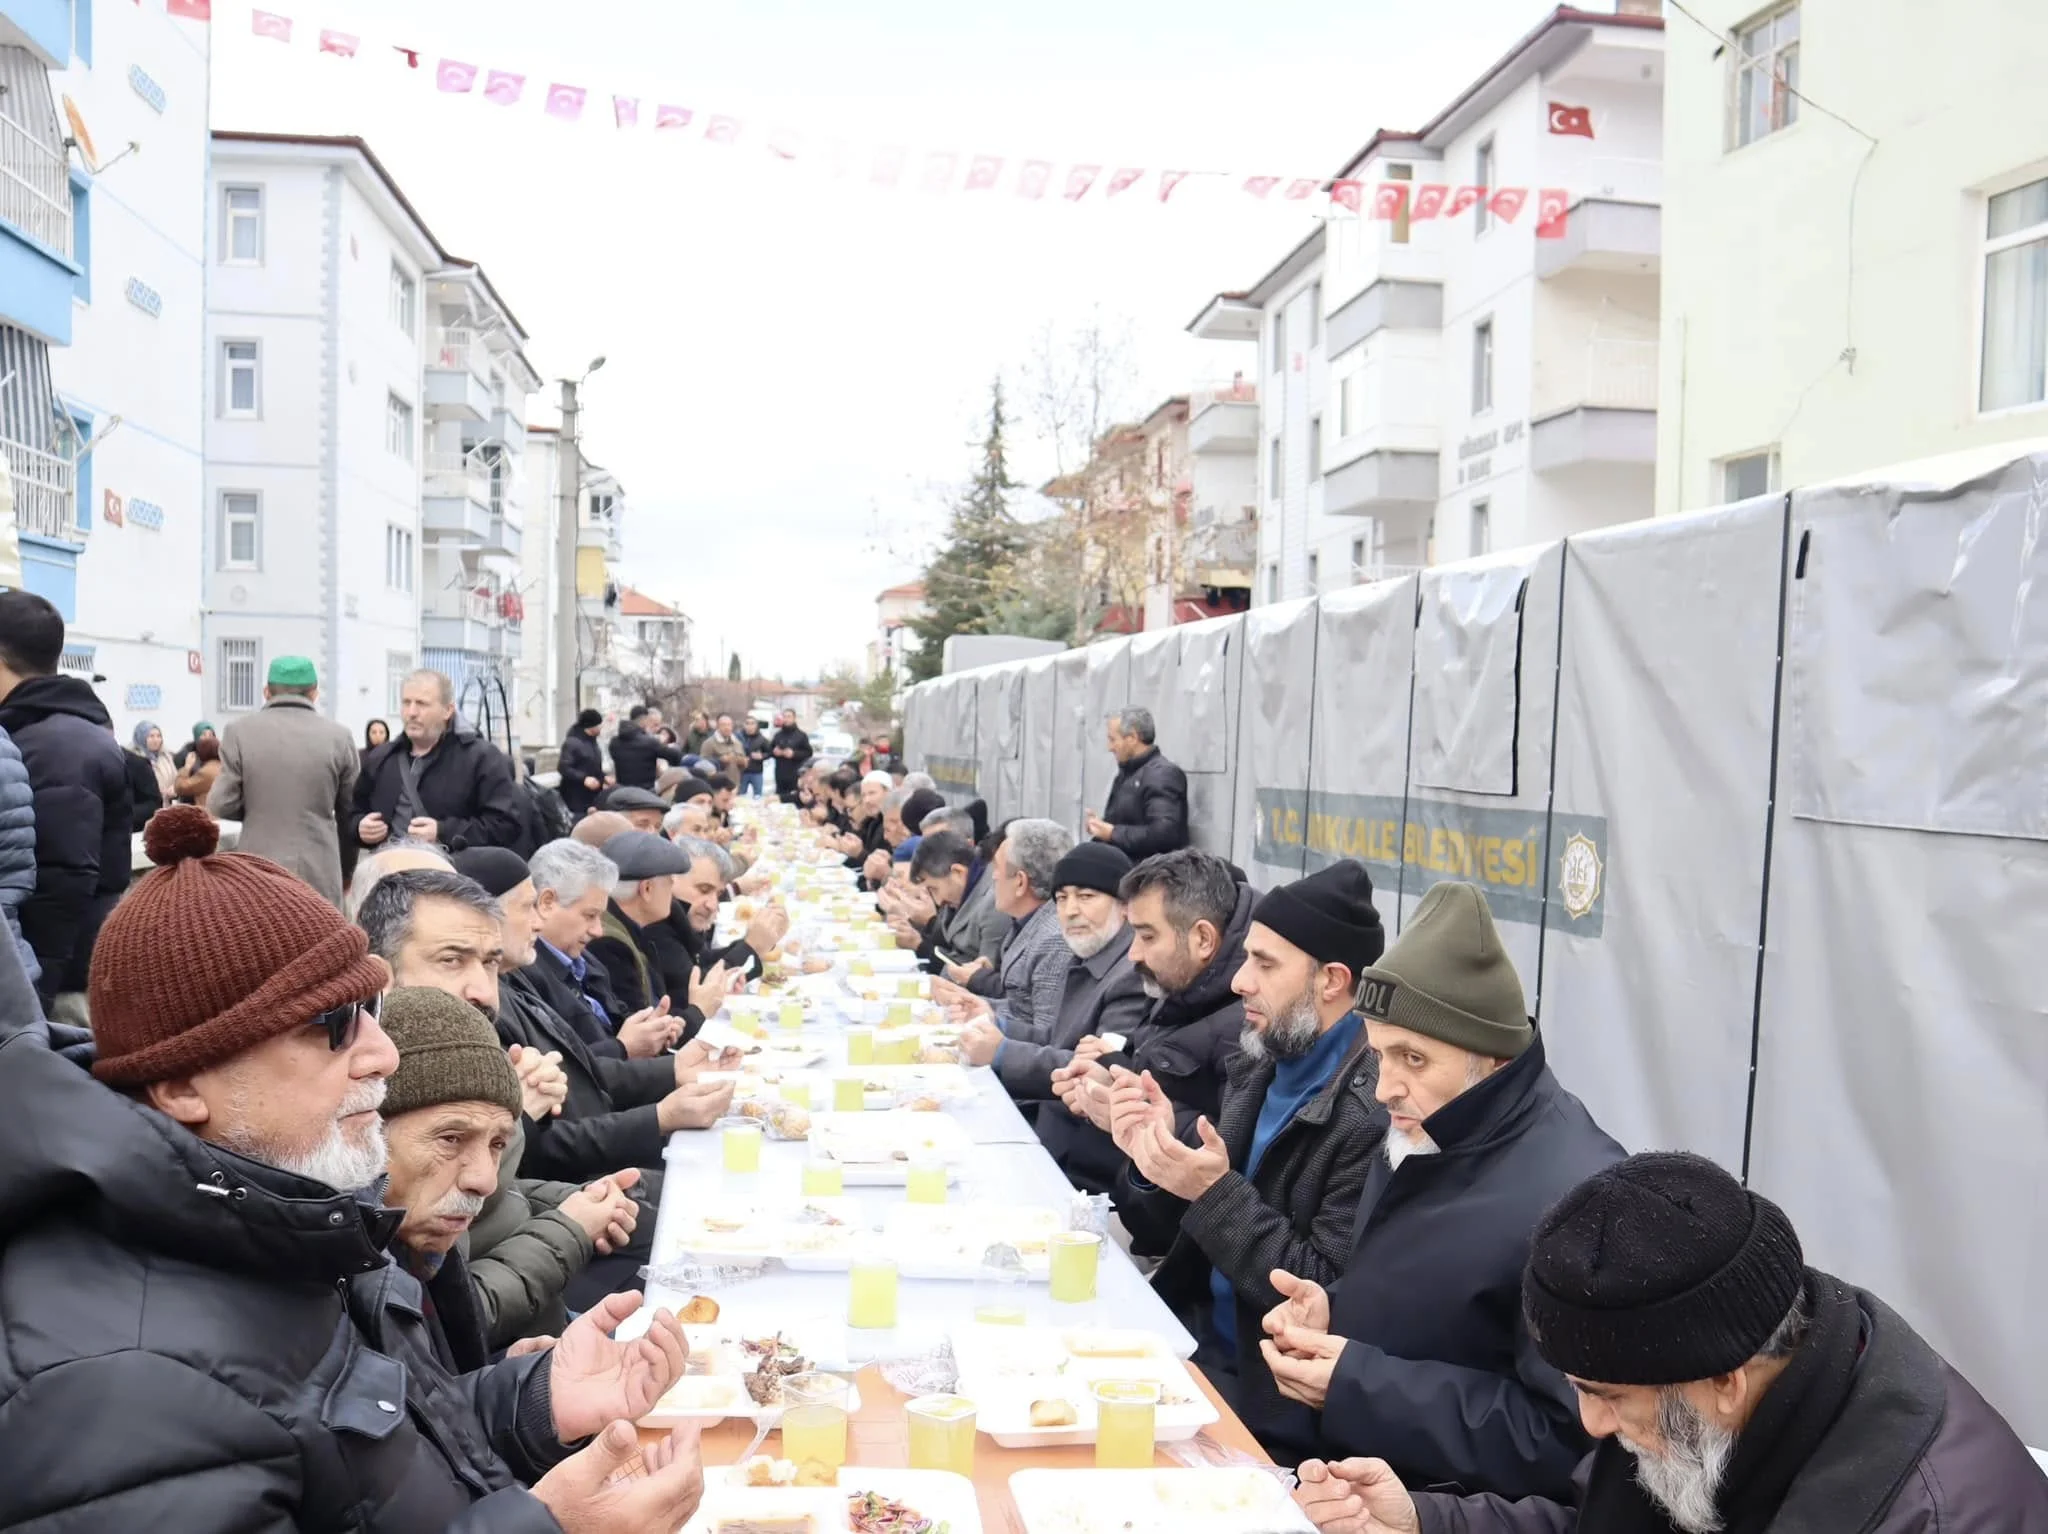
181 1237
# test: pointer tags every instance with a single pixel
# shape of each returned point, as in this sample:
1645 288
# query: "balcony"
1601 235
45 492
37 274
505 536
43 27
1381 483
1389 304
456 500
507 428
1596 405
461 619
459 377
1227 422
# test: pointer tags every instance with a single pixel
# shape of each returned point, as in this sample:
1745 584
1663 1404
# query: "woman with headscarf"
152 775
200 731
196 781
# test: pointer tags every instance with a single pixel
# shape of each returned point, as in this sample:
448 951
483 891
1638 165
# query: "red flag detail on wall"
1124 180
1168 180
626 111
1429 201
722 129
982 172
269 24
888 166
1347 194
672 117
1297 191
1390 199
565 102
1552 204
340 44
1577 122
938 171
1079 179
1506 204
455 76
191 10
1261 186
503 88
1032 179
1462 198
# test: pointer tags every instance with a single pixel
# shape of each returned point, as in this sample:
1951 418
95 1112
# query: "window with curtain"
2015 366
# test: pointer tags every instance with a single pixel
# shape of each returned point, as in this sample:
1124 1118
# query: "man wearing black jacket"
644 963
791 748
574 883
685 938
1147 812
582 764
636 748
80 782
437 783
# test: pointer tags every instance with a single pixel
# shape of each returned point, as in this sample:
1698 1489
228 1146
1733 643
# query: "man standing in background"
437 782
755 739
1147 812
791 748
288 775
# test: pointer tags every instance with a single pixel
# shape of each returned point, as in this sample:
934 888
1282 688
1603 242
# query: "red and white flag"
1079 179
1552 205
938 171
412 55
1462 198
191 10
1506 204
565 102
1429 200
1390 199
625 111
1261 186
1032 178
1168 180
1123 181
672 117
722 129
270 24
785 143
340 44
1576 122
1300 190
982 171
454 76
503 88
1348 194
888 166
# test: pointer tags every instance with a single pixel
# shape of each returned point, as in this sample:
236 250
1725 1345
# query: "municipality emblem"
1579 875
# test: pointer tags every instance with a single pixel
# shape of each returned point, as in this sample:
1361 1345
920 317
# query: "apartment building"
1432 388
102 318
894 642
366 399
1857 205
1222 538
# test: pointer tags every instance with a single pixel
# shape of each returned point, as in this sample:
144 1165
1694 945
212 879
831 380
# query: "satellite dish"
80 136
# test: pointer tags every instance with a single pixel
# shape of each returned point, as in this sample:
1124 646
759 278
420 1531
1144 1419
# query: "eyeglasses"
342 1022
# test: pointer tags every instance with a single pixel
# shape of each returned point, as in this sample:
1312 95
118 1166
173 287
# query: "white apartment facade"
1857 205
366 399
103 149
1434 388
1222 538
895 642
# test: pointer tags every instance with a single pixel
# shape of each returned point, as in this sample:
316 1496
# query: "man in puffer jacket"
17 849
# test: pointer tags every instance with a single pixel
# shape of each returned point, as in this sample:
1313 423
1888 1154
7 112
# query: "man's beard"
1289 1033
337 1161
1159 988
1086 945
1400 1144
1684 1478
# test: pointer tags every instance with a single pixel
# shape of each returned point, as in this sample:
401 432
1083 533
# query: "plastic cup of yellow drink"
860 1046
792 1015
814 1420
871 1300
740 1140
1124 1422
942 1434
1075 1256
849 1094
824 1177
927 1184
747 1020
861 967
896 1051
907 986
898 1015
798 1092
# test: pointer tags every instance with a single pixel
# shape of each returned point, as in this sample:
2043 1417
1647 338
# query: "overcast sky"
798 365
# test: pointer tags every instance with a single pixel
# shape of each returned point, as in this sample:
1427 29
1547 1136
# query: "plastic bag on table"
698 1277
1089 1211
1202 1452
779 1120
927 1374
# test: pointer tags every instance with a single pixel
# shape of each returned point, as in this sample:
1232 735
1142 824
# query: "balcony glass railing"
35 184
45 492
458 474
456 347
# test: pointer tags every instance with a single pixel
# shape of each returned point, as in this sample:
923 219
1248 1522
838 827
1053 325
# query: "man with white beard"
1731 1387
1419 1353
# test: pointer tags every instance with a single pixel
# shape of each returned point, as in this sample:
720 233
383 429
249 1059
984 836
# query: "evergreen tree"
968 578
732 670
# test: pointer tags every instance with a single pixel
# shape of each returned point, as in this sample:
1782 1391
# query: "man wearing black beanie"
1418 1352
1731 1387
581 764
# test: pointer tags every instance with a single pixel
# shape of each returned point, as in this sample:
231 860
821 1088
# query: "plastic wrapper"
1089 1212
694 1276
1202 1452
779 1120
926 1374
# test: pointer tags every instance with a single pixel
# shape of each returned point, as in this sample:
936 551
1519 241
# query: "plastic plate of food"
1217 1501
731 1382
877 1149
950 1240
1034 1385
807 1235
753 1499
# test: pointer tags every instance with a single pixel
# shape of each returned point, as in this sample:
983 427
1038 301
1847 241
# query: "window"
1276 478
1279 340
241 225
398 427
241 393
1273 582
241 530
1482 527
1315 448
1482 177
397 667
1315 576
404 298
1351 405
1751 475
398 557
1482 366
1357 558
238 660
2015 365
1315 315
81 236
1401 173
601 505
1766 78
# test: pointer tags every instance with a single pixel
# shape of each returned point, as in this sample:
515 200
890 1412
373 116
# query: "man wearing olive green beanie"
1420 1354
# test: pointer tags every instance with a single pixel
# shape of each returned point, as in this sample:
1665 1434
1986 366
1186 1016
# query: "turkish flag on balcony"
1168 180
1552 204
1462 198
191 10
1123 181
1506 204
1389 199
1079 179
722 129
626 111
340 44
1298 190
1575 122
454 76
982 172
1261 187
1032 179
565 102
269 24
1348 194
1429 200
672 117
503 88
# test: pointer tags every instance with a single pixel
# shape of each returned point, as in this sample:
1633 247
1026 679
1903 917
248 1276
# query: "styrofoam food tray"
709 1398
946 1499
949 1240
1003 1369
771 1230
865 1144
1208 1501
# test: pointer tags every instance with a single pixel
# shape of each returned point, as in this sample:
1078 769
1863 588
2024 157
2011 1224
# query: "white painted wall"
535 671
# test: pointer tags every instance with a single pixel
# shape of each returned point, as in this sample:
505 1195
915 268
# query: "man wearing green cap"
288 774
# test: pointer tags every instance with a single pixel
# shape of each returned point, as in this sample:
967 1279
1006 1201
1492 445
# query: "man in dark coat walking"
790 748
80 781
1274 1184
179 1240
581 764
636 748
1419 1352
436 782
1729 1385
1147 812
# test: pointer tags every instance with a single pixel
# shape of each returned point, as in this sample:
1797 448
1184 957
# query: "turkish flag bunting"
340 44
982 172
1429 201
626 111
502 88
1261 186
672 117
1390 199
1551 205
1462 198
1297 190
1574 121
784 144
453 75
1347 194
191 10
1079 179
412 55
721 129
1506 204
1124 180
938 171
1168 180
565 102
269 24
888 168
1032 178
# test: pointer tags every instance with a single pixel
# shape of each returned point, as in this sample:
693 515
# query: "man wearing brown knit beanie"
1418 1351
182 1262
